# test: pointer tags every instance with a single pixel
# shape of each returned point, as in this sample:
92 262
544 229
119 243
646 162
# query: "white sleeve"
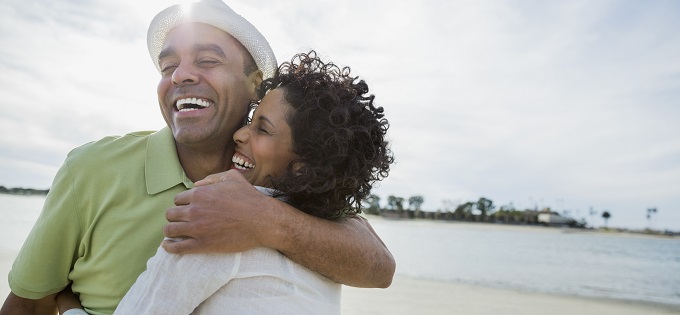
177 284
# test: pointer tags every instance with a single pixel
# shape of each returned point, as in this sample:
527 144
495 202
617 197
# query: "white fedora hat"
217 14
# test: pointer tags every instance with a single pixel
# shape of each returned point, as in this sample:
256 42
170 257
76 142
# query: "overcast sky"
562 104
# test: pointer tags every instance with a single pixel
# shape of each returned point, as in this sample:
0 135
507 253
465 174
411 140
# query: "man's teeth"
185 104
241 164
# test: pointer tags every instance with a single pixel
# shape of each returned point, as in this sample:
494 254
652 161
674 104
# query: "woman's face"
264 147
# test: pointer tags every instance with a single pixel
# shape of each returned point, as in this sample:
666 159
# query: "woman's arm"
229 215
67 300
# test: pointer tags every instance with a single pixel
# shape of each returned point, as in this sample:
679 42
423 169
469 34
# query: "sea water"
537 259
17 216
533 259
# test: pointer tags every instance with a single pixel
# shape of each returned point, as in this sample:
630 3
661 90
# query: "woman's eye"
262 130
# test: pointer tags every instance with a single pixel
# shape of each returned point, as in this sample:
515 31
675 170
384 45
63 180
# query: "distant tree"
373 202
448 205
578 224
400 204
485 206
395 203
23 191
592 213
463 209
415 202
391 202
508 207
606 215
650 213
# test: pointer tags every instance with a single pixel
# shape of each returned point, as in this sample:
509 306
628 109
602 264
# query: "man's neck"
198 164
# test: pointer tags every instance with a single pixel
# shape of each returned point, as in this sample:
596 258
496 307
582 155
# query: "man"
104 215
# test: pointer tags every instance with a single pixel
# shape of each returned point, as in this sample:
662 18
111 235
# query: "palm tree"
650 213
606 216
592 212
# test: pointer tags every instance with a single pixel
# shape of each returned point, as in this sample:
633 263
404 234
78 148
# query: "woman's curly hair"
338 134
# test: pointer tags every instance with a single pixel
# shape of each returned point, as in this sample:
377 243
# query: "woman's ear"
297 165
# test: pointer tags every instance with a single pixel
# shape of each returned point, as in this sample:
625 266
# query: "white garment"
257 281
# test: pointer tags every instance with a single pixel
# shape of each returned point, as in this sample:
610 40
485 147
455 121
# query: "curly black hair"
338 134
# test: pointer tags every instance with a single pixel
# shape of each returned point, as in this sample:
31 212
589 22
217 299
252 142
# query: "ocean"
532 259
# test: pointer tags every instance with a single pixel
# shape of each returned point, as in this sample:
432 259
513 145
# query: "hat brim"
215 13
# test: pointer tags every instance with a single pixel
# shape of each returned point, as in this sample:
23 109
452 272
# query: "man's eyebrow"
165 52
210 47
198 47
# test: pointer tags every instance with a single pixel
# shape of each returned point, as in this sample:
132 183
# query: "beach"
416 296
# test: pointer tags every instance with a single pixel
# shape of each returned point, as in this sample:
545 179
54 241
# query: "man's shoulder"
113 142
113 148
129 137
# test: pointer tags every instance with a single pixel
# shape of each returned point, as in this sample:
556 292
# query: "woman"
317 142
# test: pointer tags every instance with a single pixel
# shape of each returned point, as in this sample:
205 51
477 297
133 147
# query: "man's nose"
185 73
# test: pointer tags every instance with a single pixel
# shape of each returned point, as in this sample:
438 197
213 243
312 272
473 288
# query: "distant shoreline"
23 191
614 232
18 191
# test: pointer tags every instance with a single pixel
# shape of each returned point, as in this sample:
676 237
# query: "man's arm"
15 305
348 252
230 215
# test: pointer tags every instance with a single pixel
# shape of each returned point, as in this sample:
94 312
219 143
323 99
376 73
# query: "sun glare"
186 5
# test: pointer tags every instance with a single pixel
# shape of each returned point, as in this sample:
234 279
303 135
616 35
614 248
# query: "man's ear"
255 78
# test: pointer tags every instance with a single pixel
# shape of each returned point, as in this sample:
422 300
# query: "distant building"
552 218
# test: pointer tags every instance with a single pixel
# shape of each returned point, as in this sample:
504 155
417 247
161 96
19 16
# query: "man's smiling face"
203 92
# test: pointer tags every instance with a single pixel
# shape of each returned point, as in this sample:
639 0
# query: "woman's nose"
241 135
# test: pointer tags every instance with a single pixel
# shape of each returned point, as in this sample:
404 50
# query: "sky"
572 105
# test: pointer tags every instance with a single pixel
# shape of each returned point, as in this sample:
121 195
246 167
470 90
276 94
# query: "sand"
415 296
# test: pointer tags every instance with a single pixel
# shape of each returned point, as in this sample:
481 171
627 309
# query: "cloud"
69 78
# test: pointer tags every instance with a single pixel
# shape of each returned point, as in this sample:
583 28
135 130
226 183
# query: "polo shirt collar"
162 168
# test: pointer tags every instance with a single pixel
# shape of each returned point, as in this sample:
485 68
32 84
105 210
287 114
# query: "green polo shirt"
102 220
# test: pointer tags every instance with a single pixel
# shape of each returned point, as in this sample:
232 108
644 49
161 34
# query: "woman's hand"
67 300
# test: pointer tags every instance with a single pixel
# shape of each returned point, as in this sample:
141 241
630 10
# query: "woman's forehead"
275 98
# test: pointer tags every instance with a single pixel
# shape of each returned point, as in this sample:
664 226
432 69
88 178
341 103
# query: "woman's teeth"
241 164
